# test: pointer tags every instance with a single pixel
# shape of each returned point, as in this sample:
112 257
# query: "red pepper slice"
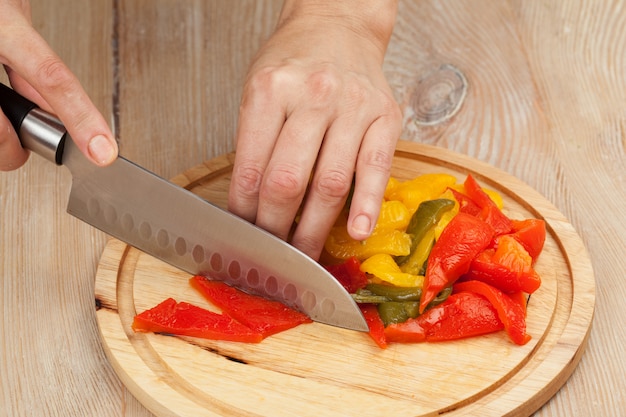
261 315
461 240
531 233
349 274
508 268
509 311
462 315
520 298
188 320
466 205
375 324
490 212
410 331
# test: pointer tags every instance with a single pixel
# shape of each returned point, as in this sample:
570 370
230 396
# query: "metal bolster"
43 134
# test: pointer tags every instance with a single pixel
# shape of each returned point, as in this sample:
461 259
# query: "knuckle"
332 185
283 184
53 74
323 85
247 179
265 87
264 81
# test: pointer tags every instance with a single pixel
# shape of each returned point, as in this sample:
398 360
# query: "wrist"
372 19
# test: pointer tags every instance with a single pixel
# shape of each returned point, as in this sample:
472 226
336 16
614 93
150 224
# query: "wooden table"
537 89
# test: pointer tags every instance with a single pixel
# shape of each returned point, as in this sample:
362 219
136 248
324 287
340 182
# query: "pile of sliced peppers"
444 262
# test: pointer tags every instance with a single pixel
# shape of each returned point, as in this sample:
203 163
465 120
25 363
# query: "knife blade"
172 224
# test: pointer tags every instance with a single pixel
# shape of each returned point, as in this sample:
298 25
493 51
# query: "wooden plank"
52 360
182 66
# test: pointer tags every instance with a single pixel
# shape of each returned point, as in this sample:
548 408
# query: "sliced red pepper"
510 312
461 240
188 320
466 205
531 233
462 315
508 268
261 315
410 331
375 324
349 274
490 212
520 298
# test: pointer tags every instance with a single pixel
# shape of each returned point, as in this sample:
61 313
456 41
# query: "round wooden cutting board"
315 369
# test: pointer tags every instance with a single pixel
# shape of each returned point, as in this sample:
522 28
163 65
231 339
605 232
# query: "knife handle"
38 130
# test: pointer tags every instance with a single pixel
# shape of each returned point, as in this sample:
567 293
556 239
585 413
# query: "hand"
317 111
39 74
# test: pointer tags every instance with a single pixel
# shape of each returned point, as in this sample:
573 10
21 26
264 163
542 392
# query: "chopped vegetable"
416 264
340 244
422 188
383 267
424 219
489 211
510 312
375 324
463 239
188 320
392 293
509 267
397 311
461 315
349 274
531 233
261 315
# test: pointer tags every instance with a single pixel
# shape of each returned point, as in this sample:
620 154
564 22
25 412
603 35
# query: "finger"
372 172
331 182
12 154
20 85
287 174
51 78
261 118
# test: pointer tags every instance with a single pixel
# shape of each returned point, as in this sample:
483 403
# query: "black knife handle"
37 129
14 106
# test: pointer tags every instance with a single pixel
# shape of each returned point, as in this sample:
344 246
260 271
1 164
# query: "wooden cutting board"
318 370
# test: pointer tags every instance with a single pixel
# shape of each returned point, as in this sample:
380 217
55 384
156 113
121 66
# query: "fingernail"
101 150
362 225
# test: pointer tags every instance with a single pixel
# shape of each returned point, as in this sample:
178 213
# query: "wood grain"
194 377
545 102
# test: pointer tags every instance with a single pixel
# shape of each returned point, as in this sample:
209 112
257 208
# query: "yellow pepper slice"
392 186
393 215
340 245
422 188
385 268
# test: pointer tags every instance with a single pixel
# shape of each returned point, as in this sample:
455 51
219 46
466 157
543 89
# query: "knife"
172 224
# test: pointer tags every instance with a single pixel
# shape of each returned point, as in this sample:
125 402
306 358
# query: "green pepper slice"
365 296
397 311
396 293
425 217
